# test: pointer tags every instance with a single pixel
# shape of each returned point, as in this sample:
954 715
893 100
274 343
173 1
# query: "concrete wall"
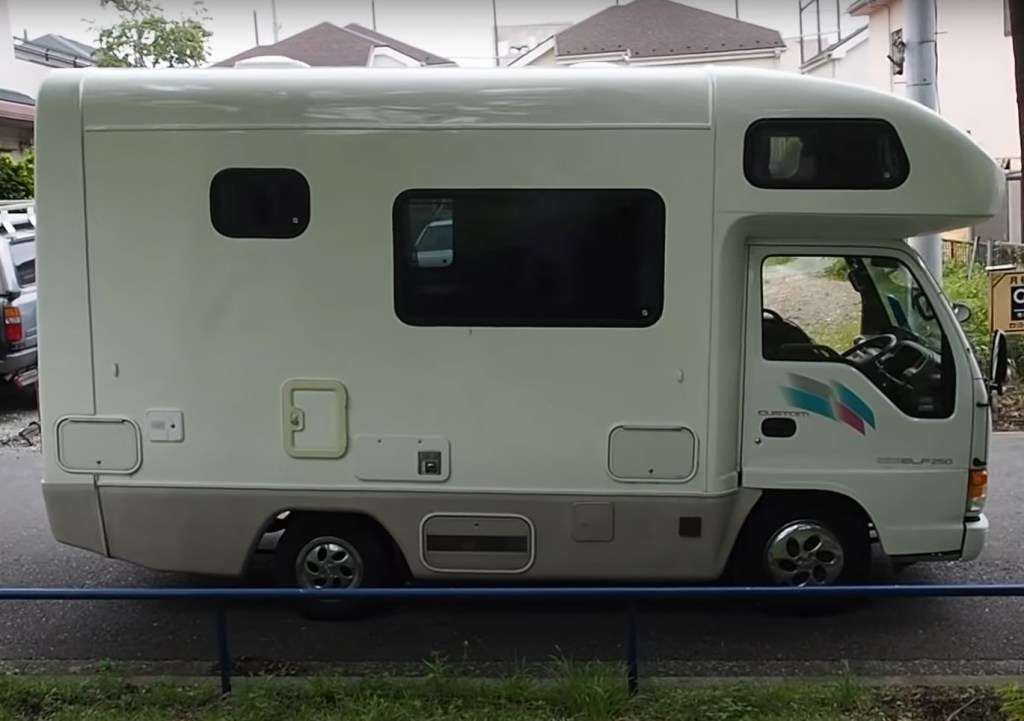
850 64
975 76
16 74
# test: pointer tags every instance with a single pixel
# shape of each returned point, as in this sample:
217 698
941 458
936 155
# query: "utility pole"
373 14
920 68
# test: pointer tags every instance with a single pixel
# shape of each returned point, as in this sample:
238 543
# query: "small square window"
259 203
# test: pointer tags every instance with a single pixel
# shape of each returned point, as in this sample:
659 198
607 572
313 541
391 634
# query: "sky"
460 30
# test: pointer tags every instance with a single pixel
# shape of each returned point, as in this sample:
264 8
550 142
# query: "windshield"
904 301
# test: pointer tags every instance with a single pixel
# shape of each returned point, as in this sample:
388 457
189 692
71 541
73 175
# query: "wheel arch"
832 500
282 519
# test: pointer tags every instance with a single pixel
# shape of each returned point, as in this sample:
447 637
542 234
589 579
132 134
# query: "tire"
788 543
361 559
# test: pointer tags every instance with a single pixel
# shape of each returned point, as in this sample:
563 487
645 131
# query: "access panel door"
850 386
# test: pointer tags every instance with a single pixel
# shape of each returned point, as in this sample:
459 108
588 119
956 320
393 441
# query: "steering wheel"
885 342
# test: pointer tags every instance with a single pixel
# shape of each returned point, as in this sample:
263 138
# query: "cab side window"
869 313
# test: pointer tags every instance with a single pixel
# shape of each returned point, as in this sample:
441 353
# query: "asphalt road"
900 636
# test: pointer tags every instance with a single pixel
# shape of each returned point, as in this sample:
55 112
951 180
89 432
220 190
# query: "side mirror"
961 312
1000 362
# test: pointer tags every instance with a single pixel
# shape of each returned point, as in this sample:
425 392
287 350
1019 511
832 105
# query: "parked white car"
434 245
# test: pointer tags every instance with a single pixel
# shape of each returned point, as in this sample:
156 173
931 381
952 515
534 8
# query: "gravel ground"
797 292
19 420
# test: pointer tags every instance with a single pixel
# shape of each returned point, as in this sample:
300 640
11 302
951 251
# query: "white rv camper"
502 325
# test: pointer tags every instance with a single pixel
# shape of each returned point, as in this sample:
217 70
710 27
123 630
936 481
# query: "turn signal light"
977 489
13 330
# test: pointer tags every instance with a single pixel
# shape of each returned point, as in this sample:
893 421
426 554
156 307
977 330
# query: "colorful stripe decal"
836 402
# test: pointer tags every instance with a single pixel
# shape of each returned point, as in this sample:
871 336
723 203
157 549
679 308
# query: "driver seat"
777 333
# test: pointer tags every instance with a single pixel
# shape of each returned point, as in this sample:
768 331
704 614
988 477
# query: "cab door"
816 419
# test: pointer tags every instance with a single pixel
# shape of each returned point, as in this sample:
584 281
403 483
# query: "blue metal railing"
629 595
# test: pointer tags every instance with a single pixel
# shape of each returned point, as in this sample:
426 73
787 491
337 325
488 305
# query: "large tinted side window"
537 257
259 203
824 154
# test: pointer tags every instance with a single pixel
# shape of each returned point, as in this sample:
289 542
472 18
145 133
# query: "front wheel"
790 544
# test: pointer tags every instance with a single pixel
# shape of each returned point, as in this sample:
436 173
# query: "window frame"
794 126
26 240
288 232
403 241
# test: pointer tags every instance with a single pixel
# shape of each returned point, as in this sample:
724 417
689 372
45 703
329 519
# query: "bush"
18 177
972 292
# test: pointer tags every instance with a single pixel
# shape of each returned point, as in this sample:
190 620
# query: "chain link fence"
980 253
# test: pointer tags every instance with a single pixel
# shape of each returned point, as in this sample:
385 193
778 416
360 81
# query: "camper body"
240 332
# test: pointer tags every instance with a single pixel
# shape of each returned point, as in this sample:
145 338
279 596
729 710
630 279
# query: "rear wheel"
334 553
790 544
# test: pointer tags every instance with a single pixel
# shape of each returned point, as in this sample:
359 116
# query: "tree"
144 38
17 177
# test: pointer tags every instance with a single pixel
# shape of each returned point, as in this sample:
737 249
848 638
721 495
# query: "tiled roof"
64 45
662 28
327 44
12 96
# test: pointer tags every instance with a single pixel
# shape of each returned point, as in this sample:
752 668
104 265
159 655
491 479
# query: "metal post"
800 32
920 68
373 14
223 652
632 661
494 13
256 27
817 12
273 20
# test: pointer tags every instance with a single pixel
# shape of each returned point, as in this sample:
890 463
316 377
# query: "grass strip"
588 692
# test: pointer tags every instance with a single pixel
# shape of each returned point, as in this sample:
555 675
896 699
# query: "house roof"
12 96
327 44
17 107
64 45
662 28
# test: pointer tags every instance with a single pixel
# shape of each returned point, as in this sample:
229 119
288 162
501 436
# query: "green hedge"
17 177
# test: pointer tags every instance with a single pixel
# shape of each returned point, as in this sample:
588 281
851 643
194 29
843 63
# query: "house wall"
975 73
16 74
15 138
385 61
548 60
851 64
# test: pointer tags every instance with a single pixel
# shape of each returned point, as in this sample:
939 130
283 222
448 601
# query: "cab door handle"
778 427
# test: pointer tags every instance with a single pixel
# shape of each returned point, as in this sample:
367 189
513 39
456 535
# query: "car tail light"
14 332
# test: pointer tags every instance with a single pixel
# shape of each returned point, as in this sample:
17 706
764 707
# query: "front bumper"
975 533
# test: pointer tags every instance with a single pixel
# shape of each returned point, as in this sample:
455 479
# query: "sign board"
1006 301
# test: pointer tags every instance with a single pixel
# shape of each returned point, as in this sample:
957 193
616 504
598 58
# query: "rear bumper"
975 533
18 361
